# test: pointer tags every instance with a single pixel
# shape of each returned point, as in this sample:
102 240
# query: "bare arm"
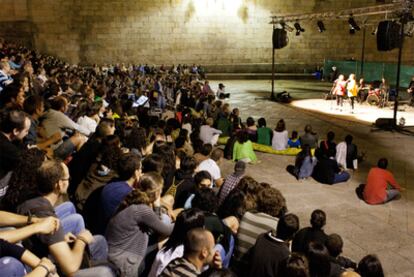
11 219
44 226
69 259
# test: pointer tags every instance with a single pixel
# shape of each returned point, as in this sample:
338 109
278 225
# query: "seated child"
294 141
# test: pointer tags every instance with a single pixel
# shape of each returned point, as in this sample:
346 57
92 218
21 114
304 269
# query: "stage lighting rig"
321 26
298 28
353 26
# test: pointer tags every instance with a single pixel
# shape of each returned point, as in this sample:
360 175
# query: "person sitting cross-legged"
381 186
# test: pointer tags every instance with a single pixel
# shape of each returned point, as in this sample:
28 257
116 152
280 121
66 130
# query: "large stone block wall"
230 33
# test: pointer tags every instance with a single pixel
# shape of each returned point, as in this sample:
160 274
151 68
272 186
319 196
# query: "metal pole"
272 95
403 21
363 51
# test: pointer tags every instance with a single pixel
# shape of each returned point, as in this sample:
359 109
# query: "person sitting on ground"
208 134
310 138
14 126
347 153
334 244
370 266
273 247
296 265
294 141
271 205
212 165
327 170
308 234
304 164
202 179
381 186
221 92
326 145
174 247
251 129
232 181
264 134
53 181
127 231
280 136
185 181
243 148
198 252
55 121
320 263
129 172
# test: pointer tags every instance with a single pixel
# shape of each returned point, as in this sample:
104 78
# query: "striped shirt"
251 226
180 267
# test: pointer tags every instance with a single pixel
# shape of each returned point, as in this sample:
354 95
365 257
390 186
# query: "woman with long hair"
280 136
173 248
128 231
243 148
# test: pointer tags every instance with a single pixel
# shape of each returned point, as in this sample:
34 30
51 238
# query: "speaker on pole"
388 35
280 38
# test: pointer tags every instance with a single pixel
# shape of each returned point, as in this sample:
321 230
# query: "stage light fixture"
321 26
353 26
298 28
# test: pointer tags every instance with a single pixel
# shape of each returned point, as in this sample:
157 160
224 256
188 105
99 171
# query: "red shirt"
377 181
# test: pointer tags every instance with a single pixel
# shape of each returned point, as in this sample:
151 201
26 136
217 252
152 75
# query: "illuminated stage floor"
362 112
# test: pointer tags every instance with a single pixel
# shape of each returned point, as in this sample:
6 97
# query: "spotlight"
353 26
321 26
298 28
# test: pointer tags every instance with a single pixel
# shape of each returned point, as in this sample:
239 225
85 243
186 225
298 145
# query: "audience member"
280 136
376 190
370 266
264 134
327 170
310 138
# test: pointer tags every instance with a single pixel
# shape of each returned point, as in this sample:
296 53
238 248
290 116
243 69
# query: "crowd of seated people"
95 184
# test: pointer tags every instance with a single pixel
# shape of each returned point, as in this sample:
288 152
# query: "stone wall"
231 35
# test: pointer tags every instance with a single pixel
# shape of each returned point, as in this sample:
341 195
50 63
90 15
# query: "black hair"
319 260
200 176
370 266
205 199
287 226
206 149
348 139
382 163
186 220
330 136
32 103
261 122
188 164
249 121
318 219
153 162
334 244
127 165
295 265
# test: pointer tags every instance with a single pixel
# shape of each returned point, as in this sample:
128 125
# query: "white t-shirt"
207 133
88 123
280 140
212 168
164 258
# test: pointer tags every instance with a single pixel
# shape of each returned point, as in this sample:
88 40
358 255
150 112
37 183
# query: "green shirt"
243 151
264 136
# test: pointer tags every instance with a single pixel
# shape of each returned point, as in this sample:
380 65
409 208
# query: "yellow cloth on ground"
268 149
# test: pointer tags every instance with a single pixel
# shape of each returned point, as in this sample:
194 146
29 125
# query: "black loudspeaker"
388 35
384 123
280 38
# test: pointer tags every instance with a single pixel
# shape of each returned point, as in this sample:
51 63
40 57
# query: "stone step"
260 76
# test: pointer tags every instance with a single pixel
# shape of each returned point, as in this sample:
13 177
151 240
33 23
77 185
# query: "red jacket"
377 181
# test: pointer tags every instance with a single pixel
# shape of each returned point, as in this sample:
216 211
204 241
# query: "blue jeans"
161 102
341 177
391 194
226 257
70 220
11 267
98 249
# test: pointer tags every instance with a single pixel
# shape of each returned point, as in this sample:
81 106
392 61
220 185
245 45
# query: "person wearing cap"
232 180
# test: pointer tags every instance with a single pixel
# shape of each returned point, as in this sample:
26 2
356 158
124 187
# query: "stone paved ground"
386 230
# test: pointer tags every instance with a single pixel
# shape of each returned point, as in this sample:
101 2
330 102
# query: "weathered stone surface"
219 32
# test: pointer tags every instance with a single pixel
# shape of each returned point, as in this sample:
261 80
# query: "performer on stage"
385 89
362 91
339 91
352 90
410 90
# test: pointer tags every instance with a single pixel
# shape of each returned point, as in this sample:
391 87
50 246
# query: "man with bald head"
198 252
